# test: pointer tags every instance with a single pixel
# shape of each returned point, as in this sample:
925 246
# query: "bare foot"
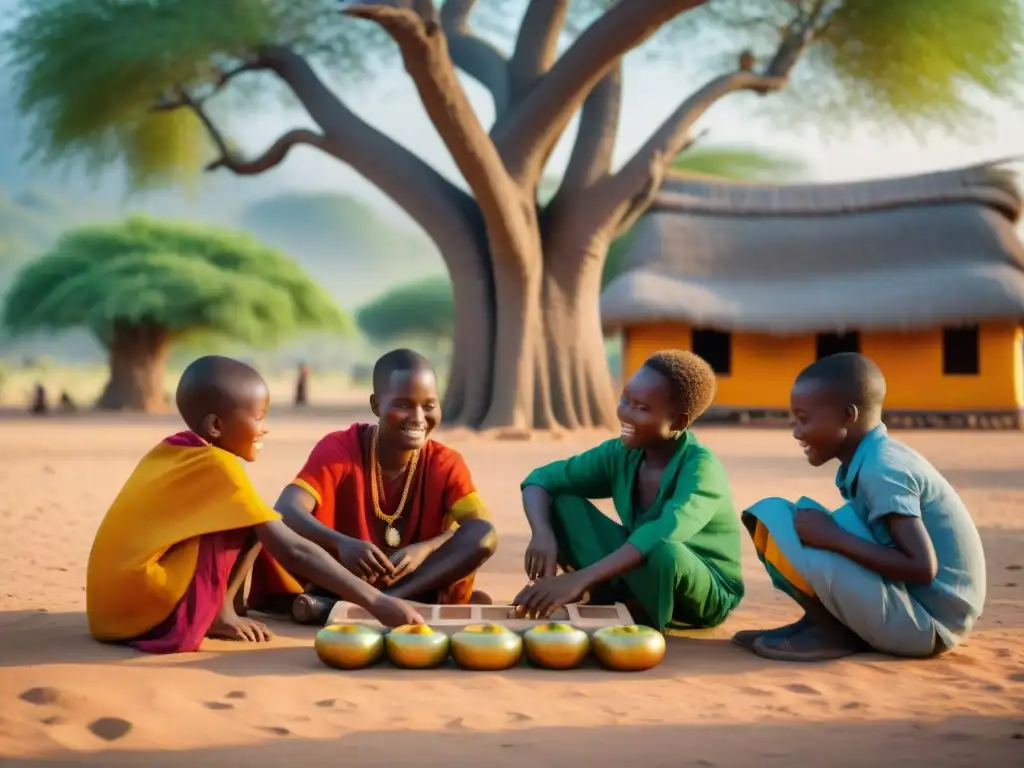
229 626
479 597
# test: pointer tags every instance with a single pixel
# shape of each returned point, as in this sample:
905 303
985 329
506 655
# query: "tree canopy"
886 62
177 277
421 309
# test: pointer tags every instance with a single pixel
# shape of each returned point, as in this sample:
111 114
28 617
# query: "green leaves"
183 278
88 72
738 163
421 309
924 63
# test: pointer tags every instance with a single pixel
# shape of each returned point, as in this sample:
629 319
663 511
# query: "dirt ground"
67 699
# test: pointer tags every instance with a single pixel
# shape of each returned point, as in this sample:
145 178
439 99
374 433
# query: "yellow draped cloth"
145 552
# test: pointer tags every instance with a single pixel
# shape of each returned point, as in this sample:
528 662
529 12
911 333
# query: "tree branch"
474 56
643 201
627 194
525 137
591 158
275 155
227 157
222 77
620 195
425 53
536 44
225 76
446 213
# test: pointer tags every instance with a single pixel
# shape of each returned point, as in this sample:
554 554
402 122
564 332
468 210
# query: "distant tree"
739 163
141 285
132 80
423 309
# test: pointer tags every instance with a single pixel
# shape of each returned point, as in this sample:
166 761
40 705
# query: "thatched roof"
933 249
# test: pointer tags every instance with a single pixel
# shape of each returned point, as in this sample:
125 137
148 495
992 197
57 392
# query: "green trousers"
673 585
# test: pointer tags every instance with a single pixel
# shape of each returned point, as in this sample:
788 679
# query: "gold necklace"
391 534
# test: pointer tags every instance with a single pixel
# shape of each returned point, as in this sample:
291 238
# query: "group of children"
384 517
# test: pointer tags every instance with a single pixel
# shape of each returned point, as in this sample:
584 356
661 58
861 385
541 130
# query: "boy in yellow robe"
174 549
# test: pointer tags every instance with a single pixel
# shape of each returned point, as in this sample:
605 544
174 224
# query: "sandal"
745 638
812 644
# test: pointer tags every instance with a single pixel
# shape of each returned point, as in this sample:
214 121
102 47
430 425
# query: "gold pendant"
392 537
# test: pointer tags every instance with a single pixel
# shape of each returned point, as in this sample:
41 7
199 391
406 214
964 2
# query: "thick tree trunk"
540 363
138 359
528 348
468 394
580 383
518 345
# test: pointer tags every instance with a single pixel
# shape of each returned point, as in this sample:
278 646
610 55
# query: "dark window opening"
961 353
835 343
716 348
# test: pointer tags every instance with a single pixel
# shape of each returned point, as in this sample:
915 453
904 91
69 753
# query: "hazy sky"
391 104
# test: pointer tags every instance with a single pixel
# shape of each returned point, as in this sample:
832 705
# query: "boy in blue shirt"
899 568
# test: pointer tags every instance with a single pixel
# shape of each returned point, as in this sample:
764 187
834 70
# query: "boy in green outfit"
676 555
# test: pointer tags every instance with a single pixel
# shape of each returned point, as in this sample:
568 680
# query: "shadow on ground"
966 741
35 638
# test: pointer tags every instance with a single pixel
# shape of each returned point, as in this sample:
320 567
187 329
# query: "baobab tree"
134 79
142 285
424 309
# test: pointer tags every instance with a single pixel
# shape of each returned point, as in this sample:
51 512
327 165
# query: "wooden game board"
452 618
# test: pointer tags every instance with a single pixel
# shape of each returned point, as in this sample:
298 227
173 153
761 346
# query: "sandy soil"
67 699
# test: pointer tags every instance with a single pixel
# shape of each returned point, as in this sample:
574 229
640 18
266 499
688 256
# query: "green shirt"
693 506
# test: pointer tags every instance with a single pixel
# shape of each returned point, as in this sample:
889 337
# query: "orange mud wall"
764 367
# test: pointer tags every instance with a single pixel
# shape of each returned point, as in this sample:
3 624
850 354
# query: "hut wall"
764 366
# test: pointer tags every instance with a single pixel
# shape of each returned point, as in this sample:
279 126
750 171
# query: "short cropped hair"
395 361
213 384
691 379
853 377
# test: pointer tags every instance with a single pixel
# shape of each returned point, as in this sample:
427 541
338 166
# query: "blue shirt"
887 477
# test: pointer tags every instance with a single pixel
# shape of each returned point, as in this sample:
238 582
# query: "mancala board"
452 618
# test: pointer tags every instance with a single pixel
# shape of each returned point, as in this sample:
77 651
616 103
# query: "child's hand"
406 560
542 598
392 612
541 556
815 528
364 559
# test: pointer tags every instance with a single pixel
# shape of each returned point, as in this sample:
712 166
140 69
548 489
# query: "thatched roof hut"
936 249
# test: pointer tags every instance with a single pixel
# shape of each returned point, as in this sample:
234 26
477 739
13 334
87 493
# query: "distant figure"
40 405
302 385
67 405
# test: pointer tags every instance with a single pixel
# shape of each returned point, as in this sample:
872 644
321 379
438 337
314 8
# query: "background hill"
353 250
